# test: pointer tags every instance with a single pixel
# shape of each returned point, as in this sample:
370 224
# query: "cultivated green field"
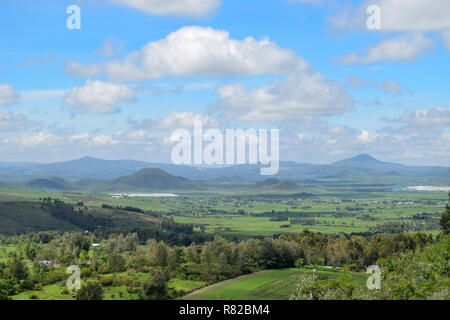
264 285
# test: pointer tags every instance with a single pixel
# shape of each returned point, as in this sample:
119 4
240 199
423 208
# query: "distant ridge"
53 183
86 168
364 161
90 168
154 179
362 158
275 184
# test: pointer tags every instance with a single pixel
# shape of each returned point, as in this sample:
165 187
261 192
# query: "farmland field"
264 285
249 215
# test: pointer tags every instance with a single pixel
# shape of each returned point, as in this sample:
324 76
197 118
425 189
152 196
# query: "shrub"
155 288
90 291
86 272
106 282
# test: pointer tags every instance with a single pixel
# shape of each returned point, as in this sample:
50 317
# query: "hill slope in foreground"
276 284
22 216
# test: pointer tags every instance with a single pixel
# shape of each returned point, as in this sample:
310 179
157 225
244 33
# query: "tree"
160 255
356 248
131 242
30 251
222 262
81 242
155 288
445 219
18 270
90 291
172 260
116 263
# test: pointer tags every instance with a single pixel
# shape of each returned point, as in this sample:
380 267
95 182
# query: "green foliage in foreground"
414 275
143 271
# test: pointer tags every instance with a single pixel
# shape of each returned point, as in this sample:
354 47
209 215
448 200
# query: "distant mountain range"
99 169
372 166
84 168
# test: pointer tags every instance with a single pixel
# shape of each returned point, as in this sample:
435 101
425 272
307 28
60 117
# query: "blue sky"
334 88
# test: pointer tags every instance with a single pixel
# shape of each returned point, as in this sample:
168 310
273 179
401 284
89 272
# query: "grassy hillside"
20 217
277 284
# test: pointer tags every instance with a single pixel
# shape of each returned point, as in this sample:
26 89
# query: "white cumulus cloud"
398 15
8 95
33 140
185 120
366 137
435 118
97 97
404 48
294 98
196 51
389 86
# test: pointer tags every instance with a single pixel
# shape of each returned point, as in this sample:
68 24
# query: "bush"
52 277
91 291
86 272
143 269
38 287
106 282
155 288
4 297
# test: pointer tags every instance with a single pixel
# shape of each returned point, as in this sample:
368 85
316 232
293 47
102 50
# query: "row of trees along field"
220 259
